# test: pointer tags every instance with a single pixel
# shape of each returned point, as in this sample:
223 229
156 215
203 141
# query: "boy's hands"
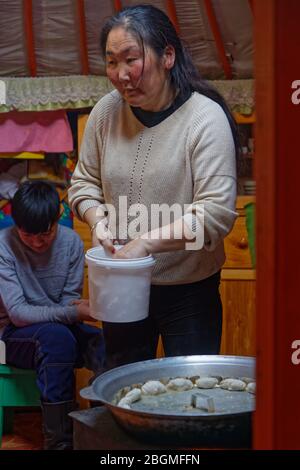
83 310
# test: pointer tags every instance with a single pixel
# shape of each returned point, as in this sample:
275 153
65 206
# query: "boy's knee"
58 343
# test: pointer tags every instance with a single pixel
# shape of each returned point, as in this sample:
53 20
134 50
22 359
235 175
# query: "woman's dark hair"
152 28
35 206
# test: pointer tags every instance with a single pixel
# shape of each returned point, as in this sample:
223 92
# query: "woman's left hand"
137 248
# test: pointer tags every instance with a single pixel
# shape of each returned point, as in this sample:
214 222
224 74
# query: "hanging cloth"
44 131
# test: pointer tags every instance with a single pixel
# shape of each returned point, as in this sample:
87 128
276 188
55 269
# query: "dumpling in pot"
130 397
206 382
180 384
123 403
251 387
153 387
233 385
247 380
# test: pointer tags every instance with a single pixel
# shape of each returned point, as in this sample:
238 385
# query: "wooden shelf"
24 155
238 274
3 202
242 200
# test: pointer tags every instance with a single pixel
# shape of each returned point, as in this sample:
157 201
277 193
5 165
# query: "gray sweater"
38 287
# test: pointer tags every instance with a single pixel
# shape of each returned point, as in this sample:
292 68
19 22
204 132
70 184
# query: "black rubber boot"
57 425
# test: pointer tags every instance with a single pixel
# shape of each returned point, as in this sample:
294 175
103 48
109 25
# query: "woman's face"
142 81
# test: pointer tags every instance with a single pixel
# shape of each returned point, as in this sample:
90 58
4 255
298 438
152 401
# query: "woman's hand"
137 248
95 239
98 224
102 236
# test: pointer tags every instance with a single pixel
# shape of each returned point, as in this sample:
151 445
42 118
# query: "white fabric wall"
56 33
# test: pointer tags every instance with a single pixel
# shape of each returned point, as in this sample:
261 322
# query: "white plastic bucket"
119 289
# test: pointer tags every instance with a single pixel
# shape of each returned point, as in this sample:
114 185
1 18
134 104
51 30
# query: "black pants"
188 317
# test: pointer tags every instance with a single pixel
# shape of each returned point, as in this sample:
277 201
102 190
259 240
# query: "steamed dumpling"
180 384
153 387
247 380
233 385
206 382
251 387
123 403
130 397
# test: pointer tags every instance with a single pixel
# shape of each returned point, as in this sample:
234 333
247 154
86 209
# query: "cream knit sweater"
188 159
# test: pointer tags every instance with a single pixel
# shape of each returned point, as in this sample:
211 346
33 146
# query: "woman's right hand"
98 224
102 236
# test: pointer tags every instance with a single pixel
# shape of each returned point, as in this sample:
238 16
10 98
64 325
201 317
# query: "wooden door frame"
277 170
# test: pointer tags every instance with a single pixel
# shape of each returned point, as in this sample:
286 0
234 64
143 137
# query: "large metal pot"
225 428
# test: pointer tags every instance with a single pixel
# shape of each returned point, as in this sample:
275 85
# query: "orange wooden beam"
265 176
82 38
117 5
27 5
251 5
171 9
277 169
218 38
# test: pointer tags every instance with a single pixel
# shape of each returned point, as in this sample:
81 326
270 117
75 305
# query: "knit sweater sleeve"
72 289
20 312
86 186
212 213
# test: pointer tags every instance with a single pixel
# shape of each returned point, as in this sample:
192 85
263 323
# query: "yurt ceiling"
45 38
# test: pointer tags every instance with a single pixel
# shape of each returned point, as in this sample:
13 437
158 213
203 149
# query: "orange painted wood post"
28 30
218 38
171 10
277 170
251 5
83 41
117 5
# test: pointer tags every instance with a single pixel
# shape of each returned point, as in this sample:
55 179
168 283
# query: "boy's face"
38 242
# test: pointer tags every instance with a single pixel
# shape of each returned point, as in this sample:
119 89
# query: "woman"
162 137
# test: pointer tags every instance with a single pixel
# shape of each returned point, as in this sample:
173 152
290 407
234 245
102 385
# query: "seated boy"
41 312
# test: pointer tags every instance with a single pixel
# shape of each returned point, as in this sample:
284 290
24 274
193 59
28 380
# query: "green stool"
17 388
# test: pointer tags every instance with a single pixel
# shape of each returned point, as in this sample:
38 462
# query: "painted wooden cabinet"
238 289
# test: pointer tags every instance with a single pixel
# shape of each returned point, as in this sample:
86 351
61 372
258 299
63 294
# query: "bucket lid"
99 257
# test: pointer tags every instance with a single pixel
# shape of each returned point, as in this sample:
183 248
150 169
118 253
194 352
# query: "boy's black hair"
35 206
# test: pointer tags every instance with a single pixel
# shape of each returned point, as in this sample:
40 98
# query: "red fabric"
44 131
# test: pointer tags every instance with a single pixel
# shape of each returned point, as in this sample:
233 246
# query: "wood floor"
27 432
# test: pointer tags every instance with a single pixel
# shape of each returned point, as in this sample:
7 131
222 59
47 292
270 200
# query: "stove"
96 429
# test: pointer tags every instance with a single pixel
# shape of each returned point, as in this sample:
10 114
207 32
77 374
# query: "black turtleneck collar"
152 118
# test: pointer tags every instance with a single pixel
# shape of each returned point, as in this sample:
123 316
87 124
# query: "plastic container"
119 289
